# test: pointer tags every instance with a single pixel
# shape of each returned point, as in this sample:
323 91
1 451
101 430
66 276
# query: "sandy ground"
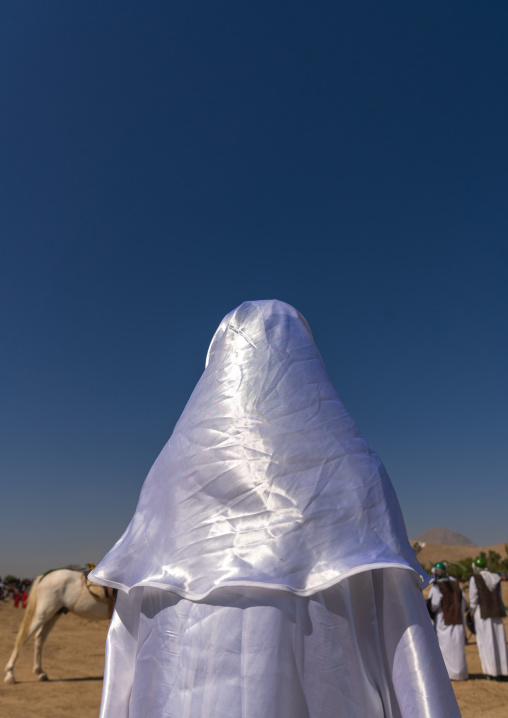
73 658
74 661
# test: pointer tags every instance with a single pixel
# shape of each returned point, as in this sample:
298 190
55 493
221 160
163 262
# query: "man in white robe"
448 605
487 609
266 572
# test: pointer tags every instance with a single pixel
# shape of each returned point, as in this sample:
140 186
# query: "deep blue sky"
162 162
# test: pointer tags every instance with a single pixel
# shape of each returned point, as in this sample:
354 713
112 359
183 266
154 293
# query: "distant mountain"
445 536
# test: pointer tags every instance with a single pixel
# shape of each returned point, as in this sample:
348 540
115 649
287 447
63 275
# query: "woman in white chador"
448 605
266 572
487 609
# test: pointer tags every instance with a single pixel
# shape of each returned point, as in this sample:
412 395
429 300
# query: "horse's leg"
29 625
9 668
24 634
40 637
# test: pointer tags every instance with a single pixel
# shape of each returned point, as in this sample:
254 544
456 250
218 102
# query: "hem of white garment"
424 580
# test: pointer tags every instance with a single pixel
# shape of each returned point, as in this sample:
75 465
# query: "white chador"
266 572
449 604
487 608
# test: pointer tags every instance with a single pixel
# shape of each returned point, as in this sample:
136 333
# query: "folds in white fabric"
266 572
266 479
364 648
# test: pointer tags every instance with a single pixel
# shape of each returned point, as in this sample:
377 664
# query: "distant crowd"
484 617
15 588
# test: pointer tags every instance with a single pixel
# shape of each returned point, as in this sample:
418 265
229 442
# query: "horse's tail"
31 605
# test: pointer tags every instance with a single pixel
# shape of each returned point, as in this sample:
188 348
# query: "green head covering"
439 569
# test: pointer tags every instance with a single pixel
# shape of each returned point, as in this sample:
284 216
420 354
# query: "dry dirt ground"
74 661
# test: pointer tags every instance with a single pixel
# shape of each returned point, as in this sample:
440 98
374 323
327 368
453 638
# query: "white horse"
51 595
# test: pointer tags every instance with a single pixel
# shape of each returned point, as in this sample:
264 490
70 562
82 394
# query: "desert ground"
74 661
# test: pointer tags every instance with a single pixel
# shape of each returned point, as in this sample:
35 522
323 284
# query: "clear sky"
162 162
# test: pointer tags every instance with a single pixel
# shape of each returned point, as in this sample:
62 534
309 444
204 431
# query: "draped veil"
266 480
247 574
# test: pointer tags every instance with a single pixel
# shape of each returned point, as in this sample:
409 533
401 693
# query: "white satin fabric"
266 479
363 648
266 572
451 639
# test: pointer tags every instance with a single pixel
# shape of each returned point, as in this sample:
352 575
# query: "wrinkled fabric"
451 639
490 634
266 480
363 648
266 572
